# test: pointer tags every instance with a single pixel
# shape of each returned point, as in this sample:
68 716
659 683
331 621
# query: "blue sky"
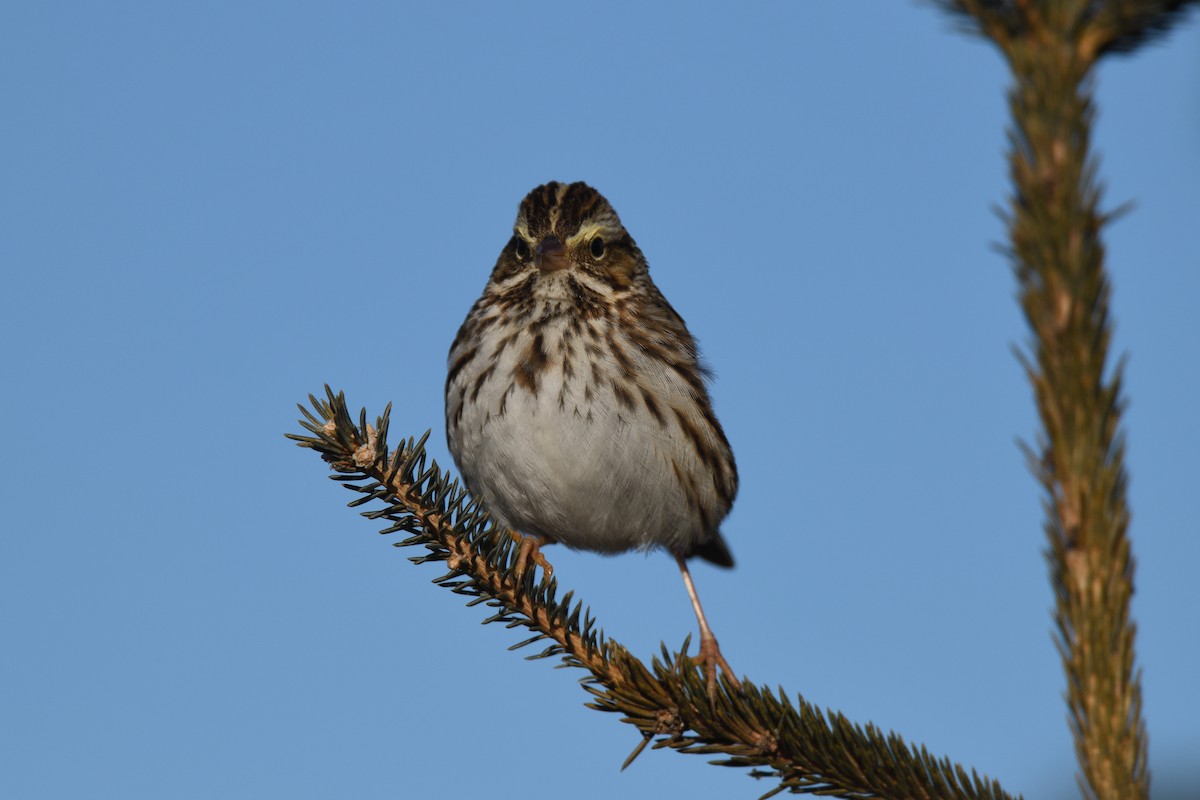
209 211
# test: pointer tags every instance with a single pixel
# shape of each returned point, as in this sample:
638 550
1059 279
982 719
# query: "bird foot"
710 652
529 547
710 656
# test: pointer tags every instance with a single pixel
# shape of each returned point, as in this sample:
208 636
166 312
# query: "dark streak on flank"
652 406
689 488
504 343
461 403
463 359
690 375
703 452
725 481
624 398
504 399
481 380
467 330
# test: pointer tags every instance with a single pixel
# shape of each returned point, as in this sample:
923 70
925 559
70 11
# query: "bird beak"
550 255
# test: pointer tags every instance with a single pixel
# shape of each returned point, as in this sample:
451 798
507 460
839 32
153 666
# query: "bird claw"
710 656
529 547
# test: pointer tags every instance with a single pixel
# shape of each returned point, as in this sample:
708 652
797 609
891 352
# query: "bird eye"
597 247
521 249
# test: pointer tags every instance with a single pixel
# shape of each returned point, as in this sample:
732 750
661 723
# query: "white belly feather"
569 462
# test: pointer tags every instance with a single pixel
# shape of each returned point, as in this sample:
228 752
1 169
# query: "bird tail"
715 551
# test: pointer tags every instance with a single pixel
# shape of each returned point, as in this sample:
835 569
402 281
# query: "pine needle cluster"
787 741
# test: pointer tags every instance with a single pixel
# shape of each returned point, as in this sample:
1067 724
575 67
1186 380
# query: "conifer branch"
1094 27
791 742
1055 227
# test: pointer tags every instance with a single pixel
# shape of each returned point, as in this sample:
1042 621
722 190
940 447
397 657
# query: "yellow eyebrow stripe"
585 233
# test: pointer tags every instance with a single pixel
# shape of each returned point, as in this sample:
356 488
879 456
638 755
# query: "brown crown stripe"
578 202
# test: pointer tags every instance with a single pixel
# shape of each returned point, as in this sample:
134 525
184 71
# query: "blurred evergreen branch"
1092 28
1055 226
793 743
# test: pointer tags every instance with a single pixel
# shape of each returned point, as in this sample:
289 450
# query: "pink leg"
710 651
